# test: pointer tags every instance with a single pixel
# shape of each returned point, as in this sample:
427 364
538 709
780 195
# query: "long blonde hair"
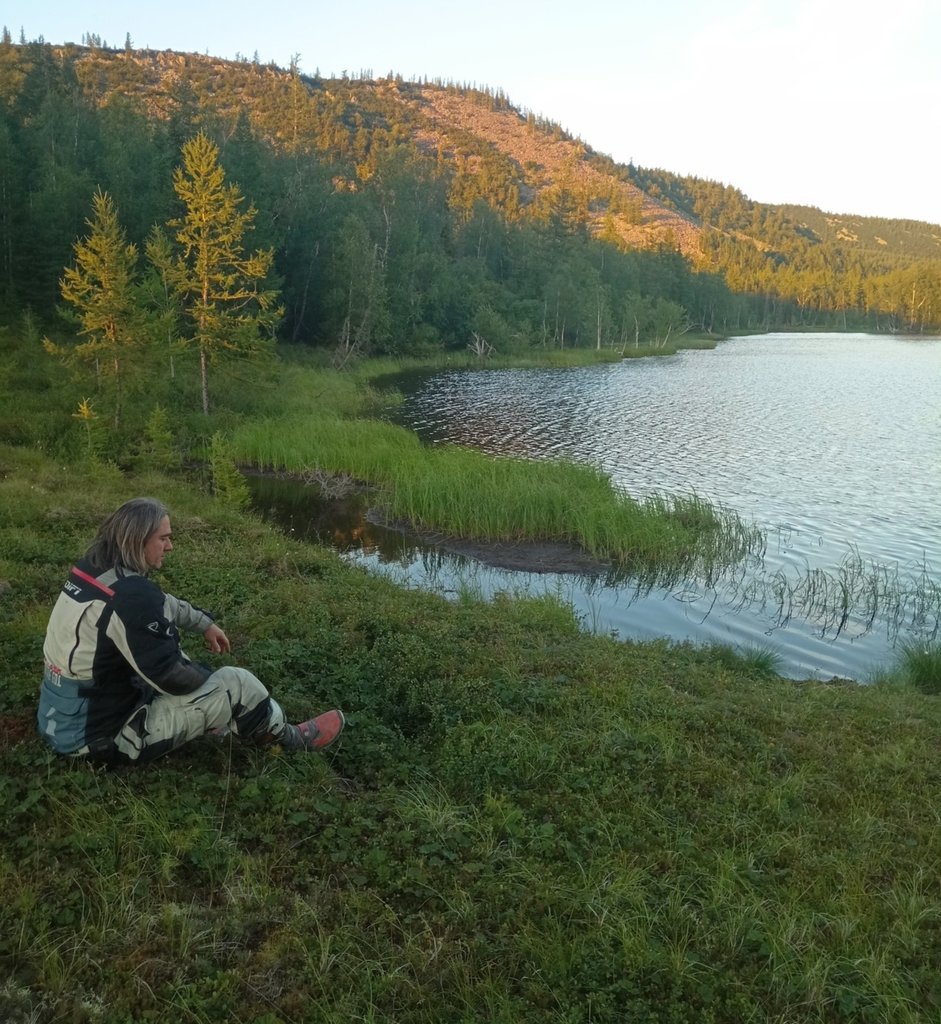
122 536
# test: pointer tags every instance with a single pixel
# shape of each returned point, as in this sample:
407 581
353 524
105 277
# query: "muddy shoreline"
521 556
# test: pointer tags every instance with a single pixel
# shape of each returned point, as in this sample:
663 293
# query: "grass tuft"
920 666
761 661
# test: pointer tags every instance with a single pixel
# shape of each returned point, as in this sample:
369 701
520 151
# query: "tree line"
377 244
847 271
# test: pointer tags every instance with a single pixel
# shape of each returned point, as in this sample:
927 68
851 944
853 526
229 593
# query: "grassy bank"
523 822
467 494
326 421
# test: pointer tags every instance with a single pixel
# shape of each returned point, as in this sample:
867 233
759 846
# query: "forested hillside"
888 271
408 217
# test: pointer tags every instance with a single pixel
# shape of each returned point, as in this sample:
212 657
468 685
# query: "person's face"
158 545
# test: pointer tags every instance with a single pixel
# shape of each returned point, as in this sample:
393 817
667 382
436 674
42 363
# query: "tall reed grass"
470 495
855 596
335 427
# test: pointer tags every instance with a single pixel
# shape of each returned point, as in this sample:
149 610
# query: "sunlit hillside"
467 148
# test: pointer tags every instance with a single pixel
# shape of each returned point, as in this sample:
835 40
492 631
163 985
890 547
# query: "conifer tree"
158 296
101 286
224 300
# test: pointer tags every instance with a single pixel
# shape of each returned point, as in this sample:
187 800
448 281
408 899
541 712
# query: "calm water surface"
830 443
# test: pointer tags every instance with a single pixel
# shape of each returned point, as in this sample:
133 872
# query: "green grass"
921 666
760 660
331 428
917 664
523 822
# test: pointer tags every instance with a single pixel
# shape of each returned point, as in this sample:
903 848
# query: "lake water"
830 443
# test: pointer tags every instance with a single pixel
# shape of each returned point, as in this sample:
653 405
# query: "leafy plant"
93 436
228 484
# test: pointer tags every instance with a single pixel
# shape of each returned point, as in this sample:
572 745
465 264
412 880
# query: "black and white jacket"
112 644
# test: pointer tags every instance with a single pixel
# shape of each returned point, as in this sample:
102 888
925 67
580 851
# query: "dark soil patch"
520 556
15 729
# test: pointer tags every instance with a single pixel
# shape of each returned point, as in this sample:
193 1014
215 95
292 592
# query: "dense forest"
418 217
867 271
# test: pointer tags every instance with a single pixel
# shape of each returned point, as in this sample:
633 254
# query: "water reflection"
865 606
807 436
303 511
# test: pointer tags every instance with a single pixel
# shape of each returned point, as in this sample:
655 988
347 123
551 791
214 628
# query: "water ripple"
830 443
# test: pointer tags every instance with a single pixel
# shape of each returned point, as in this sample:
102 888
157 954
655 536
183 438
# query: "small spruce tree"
228 484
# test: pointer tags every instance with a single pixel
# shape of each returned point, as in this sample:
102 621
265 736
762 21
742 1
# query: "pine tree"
158 296
228 484
222 290
101 286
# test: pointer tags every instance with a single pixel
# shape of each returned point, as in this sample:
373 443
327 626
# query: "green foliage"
221 288
814 267
93 435
101 286
760 661
160 301
375 245
228 484
523 822
158 450
920 666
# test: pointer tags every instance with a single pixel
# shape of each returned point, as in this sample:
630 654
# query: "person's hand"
216 640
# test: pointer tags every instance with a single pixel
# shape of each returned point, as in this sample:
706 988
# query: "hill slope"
805 265
646 207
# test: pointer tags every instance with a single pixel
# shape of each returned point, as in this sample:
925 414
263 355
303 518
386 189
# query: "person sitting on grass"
117 687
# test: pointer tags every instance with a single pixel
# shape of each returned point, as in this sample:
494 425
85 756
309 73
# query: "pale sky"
828 103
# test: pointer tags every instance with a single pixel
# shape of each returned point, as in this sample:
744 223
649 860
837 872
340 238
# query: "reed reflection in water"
864 606
831 444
